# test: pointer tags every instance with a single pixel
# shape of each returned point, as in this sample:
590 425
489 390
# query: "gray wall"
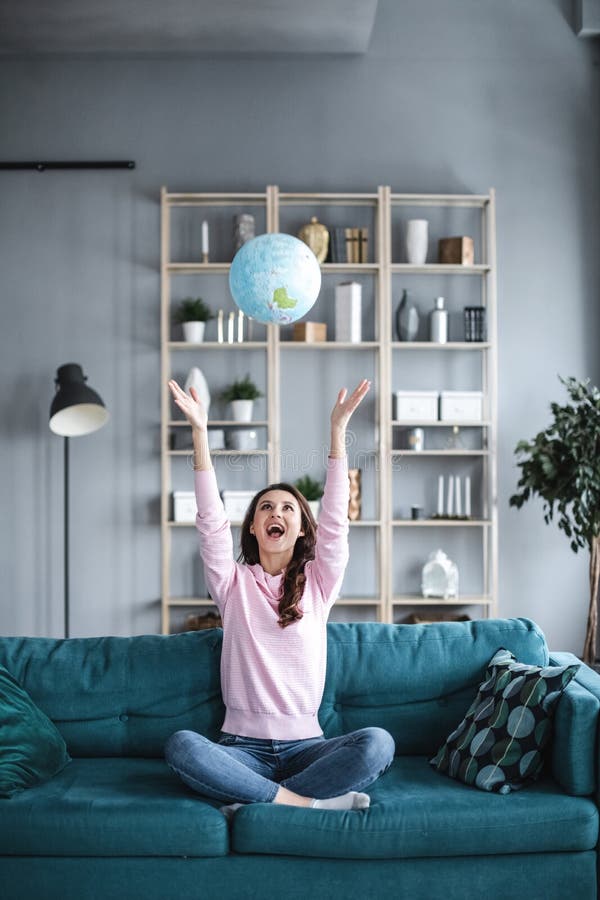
451 97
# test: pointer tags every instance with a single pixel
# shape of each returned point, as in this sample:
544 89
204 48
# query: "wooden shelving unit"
390 599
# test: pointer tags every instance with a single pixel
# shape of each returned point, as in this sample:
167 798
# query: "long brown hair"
304 550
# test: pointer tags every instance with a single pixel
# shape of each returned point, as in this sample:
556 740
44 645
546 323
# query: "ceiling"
190 27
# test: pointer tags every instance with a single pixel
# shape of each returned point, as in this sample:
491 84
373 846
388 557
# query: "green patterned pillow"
32 750
498 745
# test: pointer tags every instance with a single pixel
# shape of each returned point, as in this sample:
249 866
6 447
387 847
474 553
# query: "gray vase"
407 319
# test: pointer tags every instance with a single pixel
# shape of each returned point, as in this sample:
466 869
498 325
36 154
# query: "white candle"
440 505
220 327
468 496
230 328
458 497
450 495
205 237
240 326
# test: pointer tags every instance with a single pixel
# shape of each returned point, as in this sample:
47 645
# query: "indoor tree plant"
562 466
193 314
312 491
241 394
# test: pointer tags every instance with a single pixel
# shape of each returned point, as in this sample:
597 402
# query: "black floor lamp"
76 410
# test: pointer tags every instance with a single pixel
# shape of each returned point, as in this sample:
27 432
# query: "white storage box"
236 503
348 300
417 406
184 506
461 406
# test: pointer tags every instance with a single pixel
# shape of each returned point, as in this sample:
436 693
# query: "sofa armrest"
575 760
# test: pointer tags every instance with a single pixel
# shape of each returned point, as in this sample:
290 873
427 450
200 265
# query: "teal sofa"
117 823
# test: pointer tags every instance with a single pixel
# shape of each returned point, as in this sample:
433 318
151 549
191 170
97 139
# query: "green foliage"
309 488
562 465
242 389
193 310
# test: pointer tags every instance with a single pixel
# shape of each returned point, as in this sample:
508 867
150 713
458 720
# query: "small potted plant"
312 491
241 394
193 314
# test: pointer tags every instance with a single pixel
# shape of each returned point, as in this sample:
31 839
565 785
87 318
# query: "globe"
275 278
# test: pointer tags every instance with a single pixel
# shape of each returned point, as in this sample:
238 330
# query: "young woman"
274 603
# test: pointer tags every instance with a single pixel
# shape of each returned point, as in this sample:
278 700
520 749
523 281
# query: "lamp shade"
76 409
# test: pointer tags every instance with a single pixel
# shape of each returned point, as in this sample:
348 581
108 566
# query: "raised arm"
214 529
331 548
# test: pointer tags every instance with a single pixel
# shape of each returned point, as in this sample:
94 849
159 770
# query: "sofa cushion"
498 745
112 807
122 696
416 681
415 813
31 749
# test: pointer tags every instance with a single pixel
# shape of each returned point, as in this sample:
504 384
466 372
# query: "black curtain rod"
94 164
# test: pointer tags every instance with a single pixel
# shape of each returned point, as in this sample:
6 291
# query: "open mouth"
275 531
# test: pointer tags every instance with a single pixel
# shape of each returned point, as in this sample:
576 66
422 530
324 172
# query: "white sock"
351 800
228 811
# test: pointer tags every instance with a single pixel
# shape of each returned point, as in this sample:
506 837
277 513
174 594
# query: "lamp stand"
66 535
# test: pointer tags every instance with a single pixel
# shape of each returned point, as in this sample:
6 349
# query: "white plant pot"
416 241
193 332
241 410
315 506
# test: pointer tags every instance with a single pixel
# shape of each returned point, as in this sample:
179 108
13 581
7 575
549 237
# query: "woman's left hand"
345 406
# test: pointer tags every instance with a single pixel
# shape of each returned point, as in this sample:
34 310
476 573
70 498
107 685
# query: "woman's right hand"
192 407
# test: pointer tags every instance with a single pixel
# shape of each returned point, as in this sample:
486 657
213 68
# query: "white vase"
416 241
197 380
241 410
193 332
315 506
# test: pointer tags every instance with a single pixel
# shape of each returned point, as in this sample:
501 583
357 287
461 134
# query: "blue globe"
275 278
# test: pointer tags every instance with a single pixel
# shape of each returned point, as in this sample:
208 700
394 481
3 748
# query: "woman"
274 604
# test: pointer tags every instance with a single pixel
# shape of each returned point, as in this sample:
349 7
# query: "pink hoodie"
272 678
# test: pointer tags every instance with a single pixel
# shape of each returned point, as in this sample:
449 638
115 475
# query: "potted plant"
241 394
562 466
312 491
193 314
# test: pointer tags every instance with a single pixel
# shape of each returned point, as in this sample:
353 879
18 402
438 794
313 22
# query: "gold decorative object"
354 503
317 237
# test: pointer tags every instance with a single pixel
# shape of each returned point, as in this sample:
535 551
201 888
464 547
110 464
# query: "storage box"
184 506
461 406
456 251
311 332
417 406
236 503
348 312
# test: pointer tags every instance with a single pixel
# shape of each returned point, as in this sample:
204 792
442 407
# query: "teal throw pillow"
499 744
32 750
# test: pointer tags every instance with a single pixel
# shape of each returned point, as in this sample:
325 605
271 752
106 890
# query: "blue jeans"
241 769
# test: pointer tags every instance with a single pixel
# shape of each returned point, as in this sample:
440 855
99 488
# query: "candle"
240 326
450 494
440 505
230 328
205 237
458 497
468 497
220 326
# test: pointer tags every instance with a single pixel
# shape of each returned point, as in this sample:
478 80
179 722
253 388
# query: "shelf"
410 423
217 345
441 523
328 345
358 601
433 345
364 523
215 199
467 200
438 269
418 600
301 199
221 452
191 601
357 268
212 423
193 268
439 452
